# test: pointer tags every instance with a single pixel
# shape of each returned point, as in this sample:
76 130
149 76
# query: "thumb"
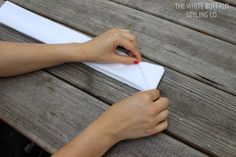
125 59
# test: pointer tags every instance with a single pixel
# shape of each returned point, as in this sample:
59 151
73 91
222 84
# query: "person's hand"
103 47
140 115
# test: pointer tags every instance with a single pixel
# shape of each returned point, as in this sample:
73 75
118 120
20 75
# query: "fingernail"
136 62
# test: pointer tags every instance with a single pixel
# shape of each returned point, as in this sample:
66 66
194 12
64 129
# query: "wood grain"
222 27
185 50
201 115
1 2
232 2
51 112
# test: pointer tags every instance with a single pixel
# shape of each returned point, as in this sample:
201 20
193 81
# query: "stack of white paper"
143 76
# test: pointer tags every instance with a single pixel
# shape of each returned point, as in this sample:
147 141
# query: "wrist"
106 125
79 52
74 52
94 138
106 131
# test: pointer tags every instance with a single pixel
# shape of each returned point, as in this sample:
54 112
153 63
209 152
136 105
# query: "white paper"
143 76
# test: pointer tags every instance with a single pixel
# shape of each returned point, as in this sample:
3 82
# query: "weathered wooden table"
199 54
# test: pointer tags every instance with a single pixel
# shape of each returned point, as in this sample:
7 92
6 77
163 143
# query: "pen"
121 48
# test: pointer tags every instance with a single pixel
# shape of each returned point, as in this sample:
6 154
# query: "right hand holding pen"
102 49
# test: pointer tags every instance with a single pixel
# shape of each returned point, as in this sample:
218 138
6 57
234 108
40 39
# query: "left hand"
140 115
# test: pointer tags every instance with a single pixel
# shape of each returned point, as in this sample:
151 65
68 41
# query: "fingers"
137 54
152 94
123 59
131 37
162 116
161 126
159 116
161 104
127 44
128 41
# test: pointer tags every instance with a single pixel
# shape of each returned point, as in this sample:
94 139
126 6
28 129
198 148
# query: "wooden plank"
51 112
222 27
38 104
190 52
201 115
1 2
232 2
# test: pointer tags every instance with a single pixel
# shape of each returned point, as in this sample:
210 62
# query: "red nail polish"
136 62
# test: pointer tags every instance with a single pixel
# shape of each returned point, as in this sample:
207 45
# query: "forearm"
19 58
94 141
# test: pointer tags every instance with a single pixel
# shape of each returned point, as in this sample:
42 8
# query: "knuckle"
158 92
115 33
165 100
117 36
165 125
139 95
145 97
165 113
114 30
